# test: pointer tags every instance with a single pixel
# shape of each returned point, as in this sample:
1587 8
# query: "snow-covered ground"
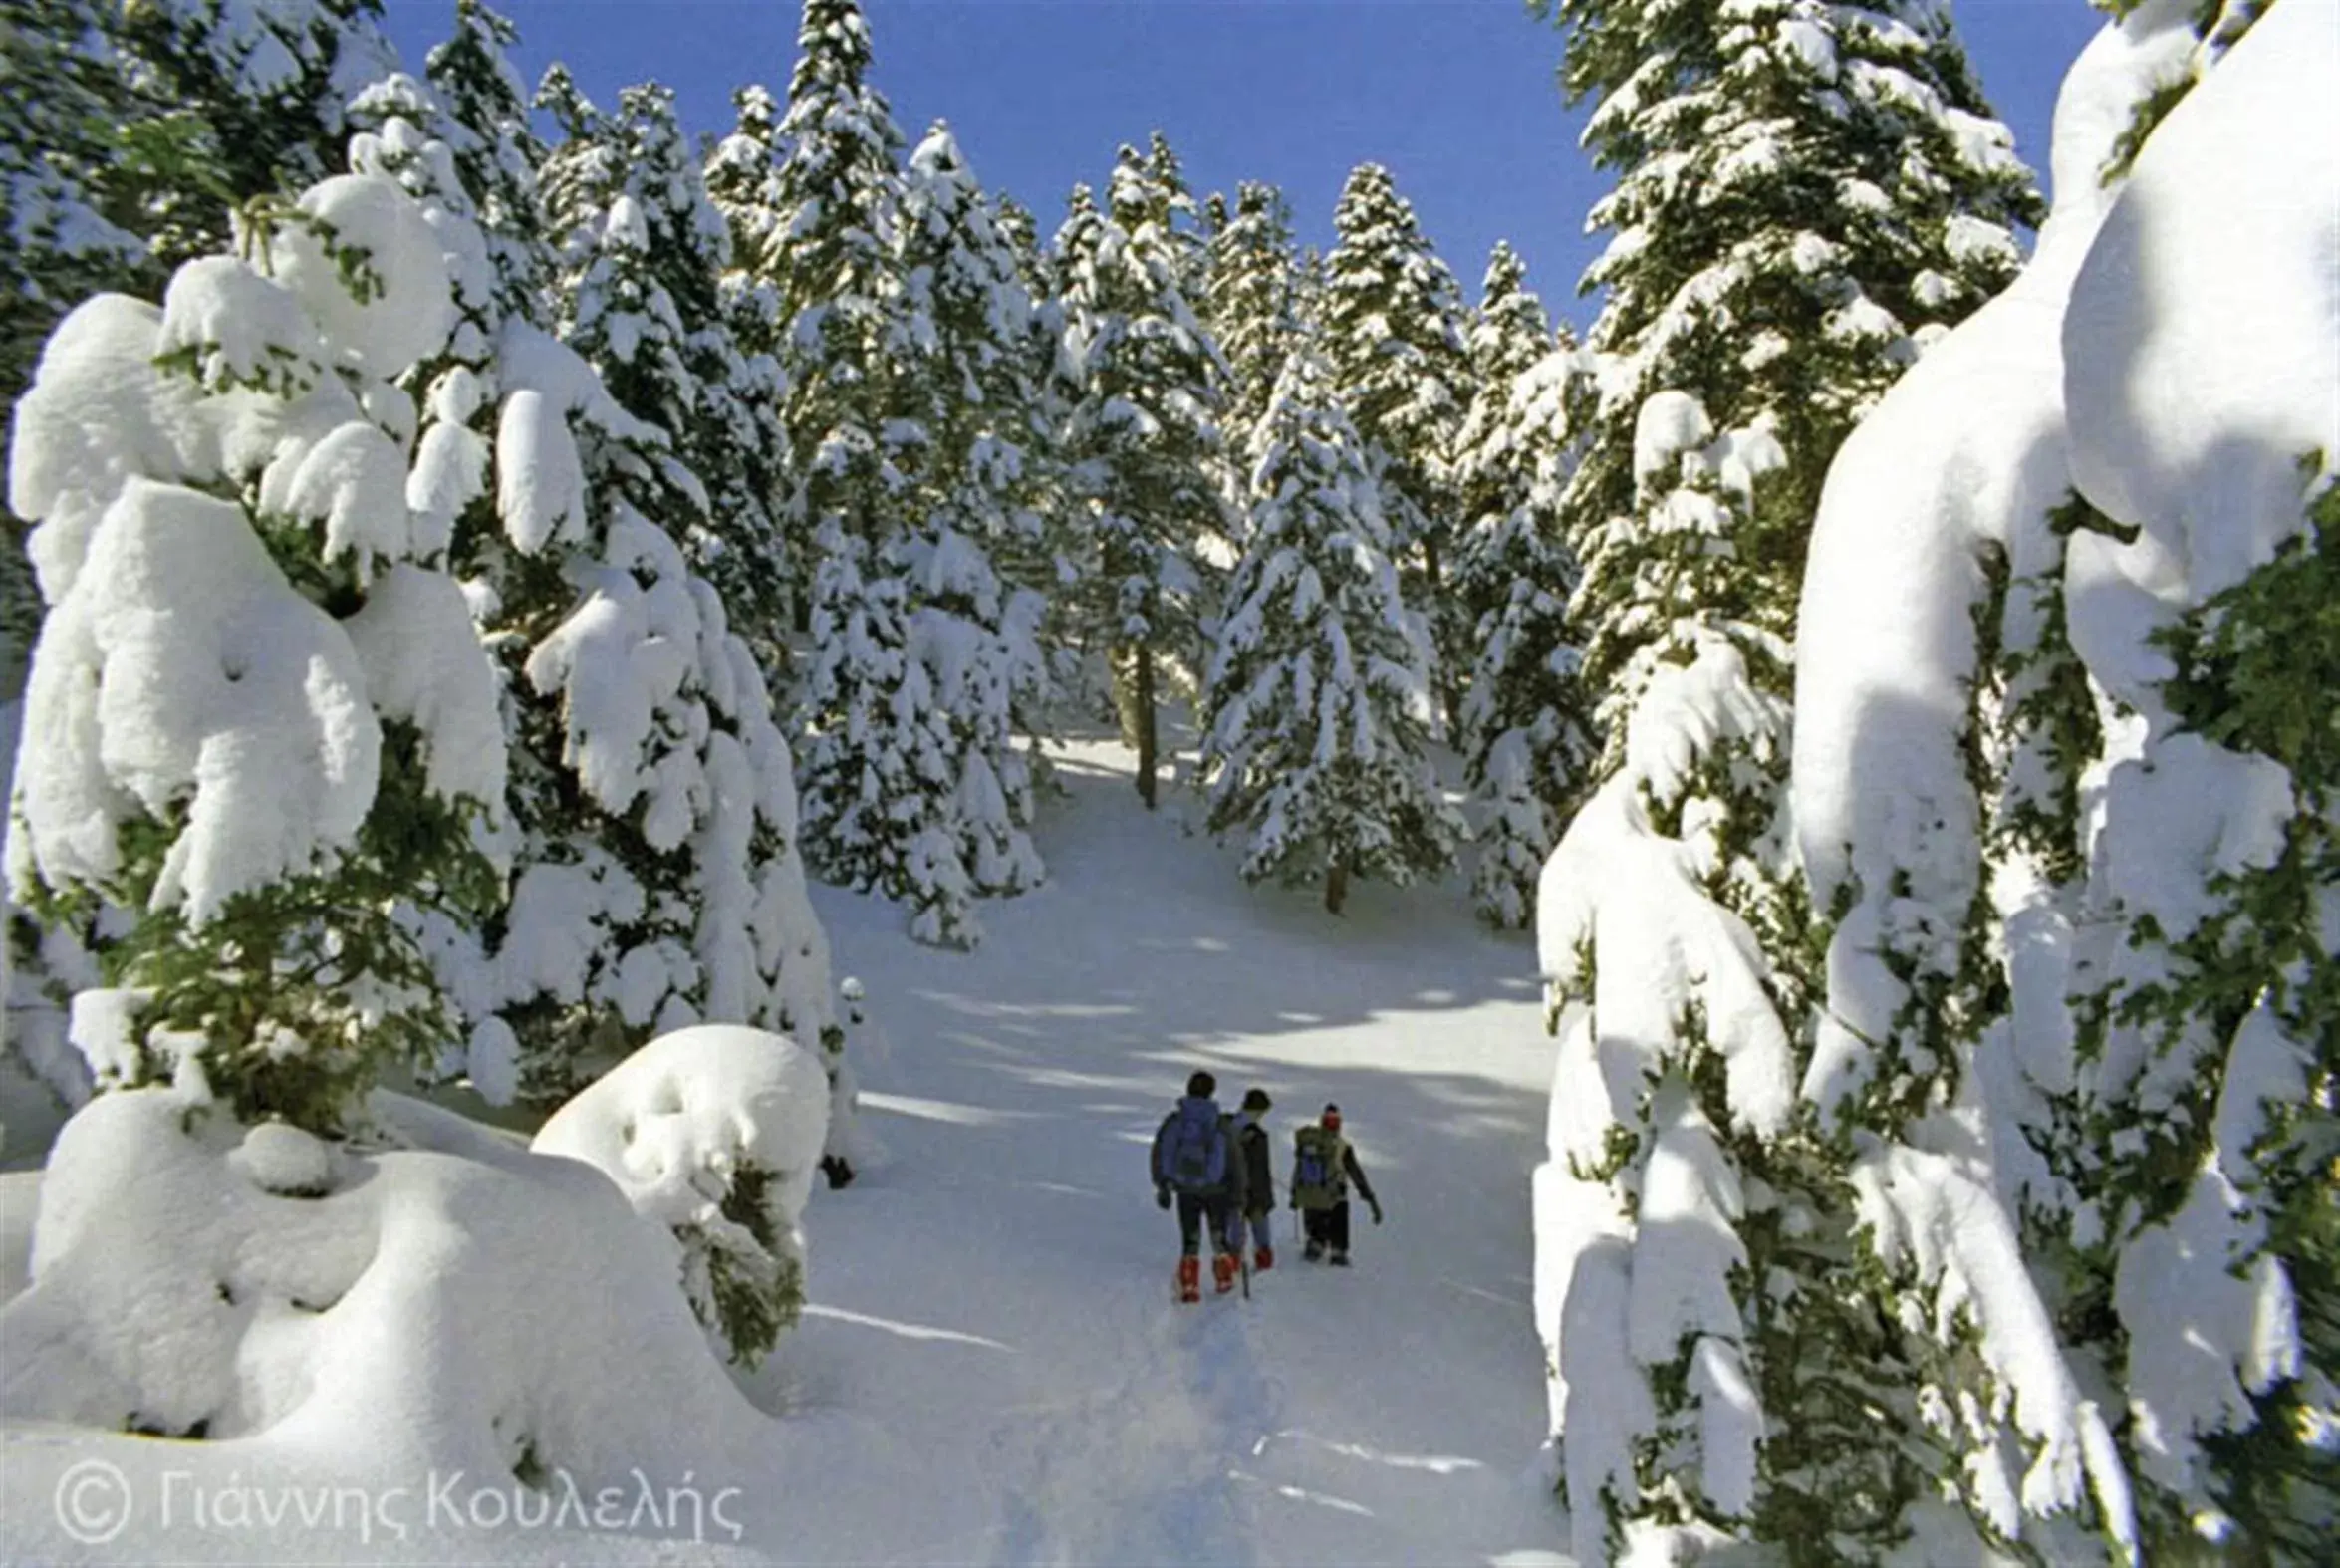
991 1368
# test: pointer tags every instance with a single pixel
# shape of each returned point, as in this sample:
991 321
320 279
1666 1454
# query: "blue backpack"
1317 1178
1194 1150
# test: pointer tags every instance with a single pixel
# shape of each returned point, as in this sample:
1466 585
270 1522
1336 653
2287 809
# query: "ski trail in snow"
1144 1470
994 1296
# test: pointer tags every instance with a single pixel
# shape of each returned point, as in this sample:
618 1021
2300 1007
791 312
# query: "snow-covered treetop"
960 263
1509 331
1394 315
1252 300
485 124
742 171
840 147
1509 334
1842 152
835 43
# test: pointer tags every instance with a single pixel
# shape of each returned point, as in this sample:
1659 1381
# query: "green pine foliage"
2219 1051
73 228
63 145
1316 708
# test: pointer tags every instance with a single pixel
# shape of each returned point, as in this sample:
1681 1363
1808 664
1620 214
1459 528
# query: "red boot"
1263 1260
1223 1272
1189 1279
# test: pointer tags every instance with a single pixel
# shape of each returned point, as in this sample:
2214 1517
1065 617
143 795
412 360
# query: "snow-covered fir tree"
1494 452
743 173
1050 563
2055 761
1524 728
485 120
831 263
1315 712
1805 194
129 134
1180 218
654 876
845 333
1251 306
112 151
643 252
298 727
930 646
1143 439
1394 321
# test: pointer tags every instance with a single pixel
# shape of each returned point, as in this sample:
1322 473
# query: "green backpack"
1317 1182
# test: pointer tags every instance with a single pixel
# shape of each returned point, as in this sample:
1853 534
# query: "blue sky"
1457 97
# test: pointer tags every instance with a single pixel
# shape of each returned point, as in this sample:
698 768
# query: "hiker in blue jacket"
1194 1163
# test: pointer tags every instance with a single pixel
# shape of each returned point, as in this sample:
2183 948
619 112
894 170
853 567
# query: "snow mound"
197 1278
715 1134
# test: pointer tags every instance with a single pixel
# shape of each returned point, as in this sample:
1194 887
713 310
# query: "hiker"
1257 1202
1323 1166
1194 1160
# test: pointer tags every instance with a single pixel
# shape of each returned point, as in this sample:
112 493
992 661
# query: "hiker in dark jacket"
1256 1205
1194 1163
1323 1167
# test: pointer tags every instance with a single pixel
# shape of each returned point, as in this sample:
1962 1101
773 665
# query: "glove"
1162 1197
1376 1214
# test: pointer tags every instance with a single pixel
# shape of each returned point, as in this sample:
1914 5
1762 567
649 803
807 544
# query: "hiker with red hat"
1323 1167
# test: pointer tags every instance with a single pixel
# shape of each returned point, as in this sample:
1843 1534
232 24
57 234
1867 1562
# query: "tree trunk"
1336 885
1141 704
1122 665
1442 666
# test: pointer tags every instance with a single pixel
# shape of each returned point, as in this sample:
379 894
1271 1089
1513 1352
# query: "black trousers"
1328 1226
1194 1207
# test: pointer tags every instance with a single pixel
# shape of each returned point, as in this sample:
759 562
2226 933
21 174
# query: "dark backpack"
1316 1168
1194 1150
